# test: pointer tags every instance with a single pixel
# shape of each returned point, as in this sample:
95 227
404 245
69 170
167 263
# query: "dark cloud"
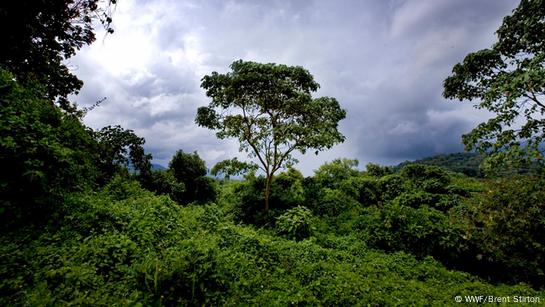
383 60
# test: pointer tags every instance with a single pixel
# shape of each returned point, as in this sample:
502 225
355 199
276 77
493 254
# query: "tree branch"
534 98
248 136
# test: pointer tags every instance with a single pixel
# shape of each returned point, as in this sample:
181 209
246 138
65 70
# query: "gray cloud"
383 60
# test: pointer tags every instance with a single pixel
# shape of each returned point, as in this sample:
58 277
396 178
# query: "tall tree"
269 108
39 35
507 79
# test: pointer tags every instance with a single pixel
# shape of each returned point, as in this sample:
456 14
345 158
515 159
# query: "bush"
421 231
185 274
287 189
250 197
286 192
296 223
205 190
417 198
146 250
332 203
120 188
363 189
505 227
163 182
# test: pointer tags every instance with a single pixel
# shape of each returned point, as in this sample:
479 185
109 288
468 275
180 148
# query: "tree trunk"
268 184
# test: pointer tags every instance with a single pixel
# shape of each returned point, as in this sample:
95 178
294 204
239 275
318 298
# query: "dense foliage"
185 180
44 152
87 221
296 223
342 236
124 245
47 153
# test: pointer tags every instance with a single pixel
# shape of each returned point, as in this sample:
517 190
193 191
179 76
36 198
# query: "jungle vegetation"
86 219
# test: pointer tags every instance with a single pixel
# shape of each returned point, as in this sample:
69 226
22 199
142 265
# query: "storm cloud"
384 61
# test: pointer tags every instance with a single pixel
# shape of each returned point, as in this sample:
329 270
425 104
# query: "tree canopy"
270 110
190 170
120 148
508 80
232 167
38 36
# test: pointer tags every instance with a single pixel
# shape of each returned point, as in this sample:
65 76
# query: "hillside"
469 164
461 162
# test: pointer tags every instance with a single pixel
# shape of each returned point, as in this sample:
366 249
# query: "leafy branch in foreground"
508 80
39 36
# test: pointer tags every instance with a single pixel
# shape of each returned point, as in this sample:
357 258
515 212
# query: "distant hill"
467 163
154 167
461 162
157 167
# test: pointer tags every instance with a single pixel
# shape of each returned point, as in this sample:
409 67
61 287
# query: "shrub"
363 189
205 190
421 231
250 199
120 188
163 182
287 192
296 223
146 250
212 216
417 198
287 189
332 202
182 275
505 227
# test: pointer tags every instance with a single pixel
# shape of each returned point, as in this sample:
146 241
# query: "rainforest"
88 219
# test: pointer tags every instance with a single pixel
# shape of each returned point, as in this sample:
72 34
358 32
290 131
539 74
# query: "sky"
383 60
